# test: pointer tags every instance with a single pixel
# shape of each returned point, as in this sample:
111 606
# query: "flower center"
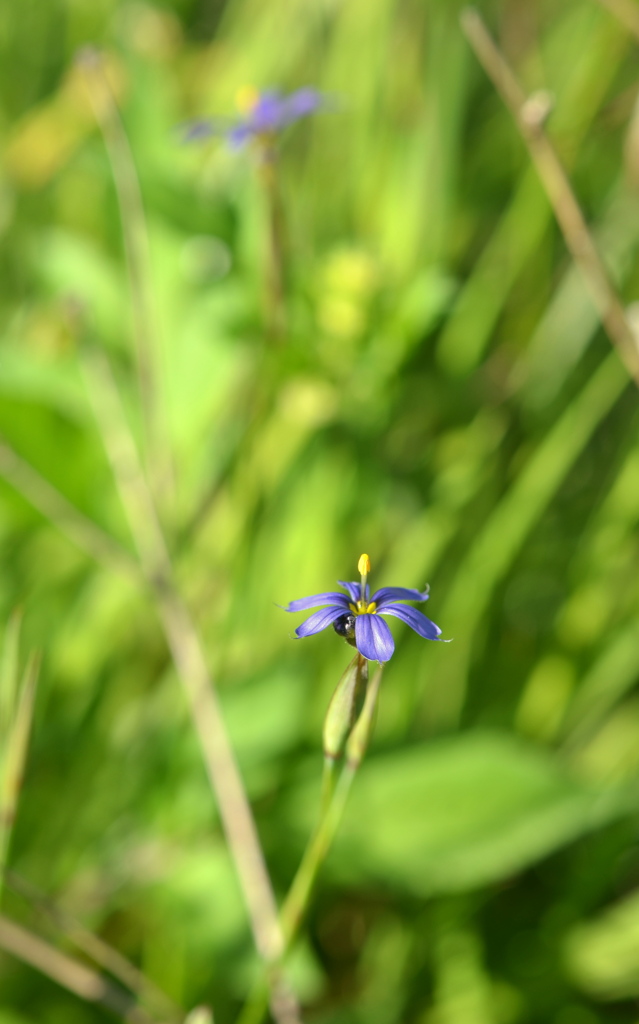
363 608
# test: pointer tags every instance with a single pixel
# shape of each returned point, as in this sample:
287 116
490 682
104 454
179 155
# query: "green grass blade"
15 754
9 676
498 543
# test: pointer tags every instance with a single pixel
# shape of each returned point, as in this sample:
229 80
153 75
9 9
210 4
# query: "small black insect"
345 626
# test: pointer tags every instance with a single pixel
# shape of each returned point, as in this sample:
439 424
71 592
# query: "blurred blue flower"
265 114
356 616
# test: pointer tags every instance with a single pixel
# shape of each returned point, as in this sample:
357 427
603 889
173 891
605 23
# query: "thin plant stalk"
71 974
339 720
529 114
136 244
296 902
107 552
14 737
329 779
79 529
9 673
92 946
188 656
298 898
275 247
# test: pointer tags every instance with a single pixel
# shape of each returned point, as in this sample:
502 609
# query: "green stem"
331 814
275 257
138 261
15 745
328 785
299 894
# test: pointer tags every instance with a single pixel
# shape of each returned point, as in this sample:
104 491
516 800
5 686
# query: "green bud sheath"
361 732
341 710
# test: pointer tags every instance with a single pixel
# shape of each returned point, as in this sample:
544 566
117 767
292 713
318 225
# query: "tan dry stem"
188 656
570 218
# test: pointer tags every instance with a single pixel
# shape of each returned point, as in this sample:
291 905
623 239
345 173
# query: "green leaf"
603 955
464 812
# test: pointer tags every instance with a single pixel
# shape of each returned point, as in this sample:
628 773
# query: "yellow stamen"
371 608
246 99
364 565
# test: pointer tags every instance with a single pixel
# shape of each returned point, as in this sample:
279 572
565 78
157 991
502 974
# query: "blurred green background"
444 399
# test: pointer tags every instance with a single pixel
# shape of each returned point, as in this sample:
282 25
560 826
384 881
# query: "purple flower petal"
302 103
388 594
238 135
373 638
415 620
333 597
202 128
355 590
268 114
319 621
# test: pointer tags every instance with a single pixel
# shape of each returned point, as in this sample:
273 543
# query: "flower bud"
200 1015
342 708
361 732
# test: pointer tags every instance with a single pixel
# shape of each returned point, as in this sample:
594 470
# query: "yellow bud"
246 99
364 565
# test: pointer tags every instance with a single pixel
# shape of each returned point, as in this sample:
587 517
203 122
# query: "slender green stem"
275 256
297 900
299 894
13 754
136 244
331 813
80 530
328 785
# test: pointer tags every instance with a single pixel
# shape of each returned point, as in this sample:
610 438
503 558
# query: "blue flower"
356 616
265 115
